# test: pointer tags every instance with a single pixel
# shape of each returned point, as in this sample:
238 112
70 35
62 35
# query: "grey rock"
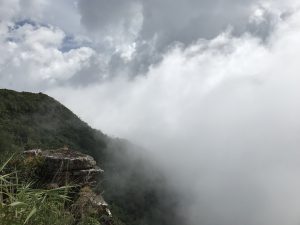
59 167
67 160
33 152
64 166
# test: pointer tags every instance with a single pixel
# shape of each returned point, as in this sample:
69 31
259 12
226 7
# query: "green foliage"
20 204
30 121
136 193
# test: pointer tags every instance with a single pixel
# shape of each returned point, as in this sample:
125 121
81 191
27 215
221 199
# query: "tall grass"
21 204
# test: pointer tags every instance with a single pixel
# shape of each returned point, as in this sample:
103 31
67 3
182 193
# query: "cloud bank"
120 38
221 118
212 93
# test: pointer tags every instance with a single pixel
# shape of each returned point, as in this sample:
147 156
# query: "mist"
220 118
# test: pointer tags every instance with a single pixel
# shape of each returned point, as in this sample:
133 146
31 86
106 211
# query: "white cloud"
221 117
8 9
32 59
21 9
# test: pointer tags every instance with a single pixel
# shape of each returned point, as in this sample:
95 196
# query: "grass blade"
33 211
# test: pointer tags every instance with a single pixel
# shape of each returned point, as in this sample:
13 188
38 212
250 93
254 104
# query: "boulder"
56 168
64 166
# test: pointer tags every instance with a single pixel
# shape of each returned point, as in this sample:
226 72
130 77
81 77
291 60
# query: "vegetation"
20 204
135 191
30 120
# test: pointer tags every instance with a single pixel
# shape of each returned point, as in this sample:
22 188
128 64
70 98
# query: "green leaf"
5 163
17 204
33 211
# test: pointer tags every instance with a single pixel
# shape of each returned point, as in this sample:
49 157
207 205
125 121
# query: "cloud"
8 9
217 107
16 9
116 23
169 20
62 14
125 38
152 27
102 14
220 117
32 59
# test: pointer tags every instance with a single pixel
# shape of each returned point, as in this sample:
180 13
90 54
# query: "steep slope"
137 193
30 120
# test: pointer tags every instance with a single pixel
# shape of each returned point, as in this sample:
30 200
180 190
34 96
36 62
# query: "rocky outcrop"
89 203
56 168
64 166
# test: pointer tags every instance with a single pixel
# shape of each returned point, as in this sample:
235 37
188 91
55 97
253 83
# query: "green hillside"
136 192
30 120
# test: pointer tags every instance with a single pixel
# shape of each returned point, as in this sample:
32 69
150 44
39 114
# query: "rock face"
64 166
59 167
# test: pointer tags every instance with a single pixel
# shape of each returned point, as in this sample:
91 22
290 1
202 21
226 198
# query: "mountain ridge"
137 193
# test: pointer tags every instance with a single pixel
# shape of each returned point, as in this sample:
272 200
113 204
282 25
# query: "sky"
209 87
